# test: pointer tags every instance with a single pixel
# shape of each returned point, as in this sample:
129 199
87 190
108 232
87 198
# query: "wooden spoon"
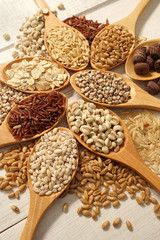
129 22
129 66
127 154
4 78
139 97
6 137
51 22
39 204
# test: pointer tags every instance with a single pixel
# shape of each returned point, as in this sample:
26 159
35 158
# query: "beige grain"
129 225
116 222
65 207
79 210
105 224
86 213
139 200
15 208
156 207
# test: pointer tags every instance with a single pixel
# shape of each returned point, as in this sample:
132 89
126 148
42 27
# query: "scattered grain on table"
100 183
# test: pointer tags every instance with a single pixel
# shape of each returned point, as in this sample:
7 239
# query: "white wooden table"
55 224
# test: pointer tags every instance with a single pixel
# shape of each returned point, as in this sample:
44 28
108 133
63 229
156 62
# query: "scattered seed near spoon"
112 45
137 97
51 167
34 75
129 66
98 129
32 117
65 44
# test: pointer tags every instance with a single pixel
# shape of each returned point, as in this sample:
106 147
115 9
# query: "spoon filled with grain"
51 167
112 45
65 44
34 75
103 132
32 117
110 89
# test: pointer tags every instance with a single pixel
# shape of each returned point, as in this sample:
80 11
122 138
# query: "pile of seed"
144 128
102 182
68 46
8 97
103 87
36 74
88 28
31 41
111 47
14 162
53 162
36 114
97 127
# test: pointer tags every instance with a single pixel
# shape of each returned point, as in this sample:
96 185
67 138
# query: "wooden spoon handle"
6 137
130 157
42 4
51 20
131 19
38 206
145 100
2 65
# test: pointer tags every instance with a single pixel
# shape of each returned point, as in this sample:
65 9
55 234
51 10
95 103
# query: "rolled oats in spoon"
36 75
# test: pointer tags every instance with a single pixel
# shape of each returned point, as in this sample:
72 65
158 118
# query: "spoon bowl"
6 136
51 22
129 66
6 66
139 97
39 204
129 23
127 154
